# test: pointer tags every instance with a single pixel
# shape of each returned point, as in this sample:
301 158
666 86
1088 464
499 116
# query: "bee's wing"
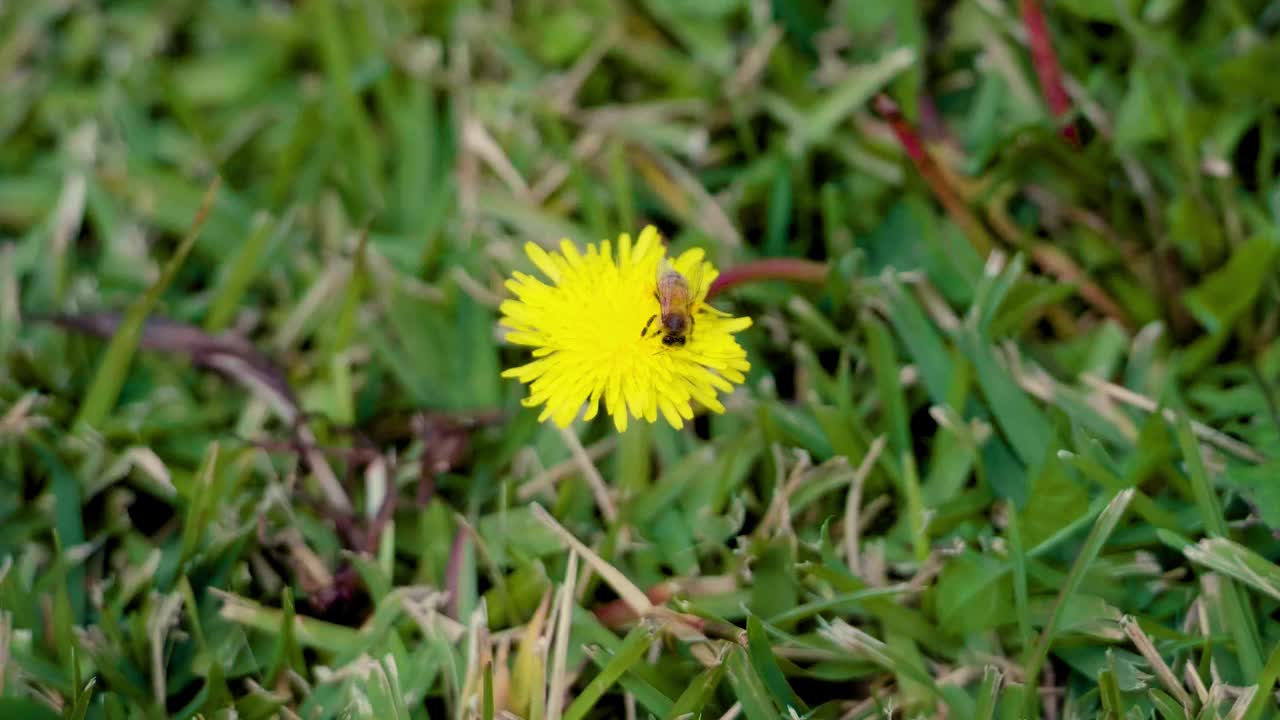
696 291
664 266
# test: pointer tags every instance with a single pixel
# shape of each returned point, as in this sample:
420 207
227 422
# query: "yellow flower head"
585 329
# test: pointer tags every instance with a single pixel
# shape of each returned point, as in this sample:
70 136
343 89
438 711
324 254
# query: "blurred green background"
1015 457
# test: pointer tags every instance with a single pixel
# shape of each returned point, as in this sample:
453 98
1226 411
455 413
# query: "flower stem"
942 188
794 269
1045 60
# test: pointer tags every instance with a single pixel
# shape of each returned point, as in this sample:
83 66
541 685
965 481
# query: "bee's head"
673 340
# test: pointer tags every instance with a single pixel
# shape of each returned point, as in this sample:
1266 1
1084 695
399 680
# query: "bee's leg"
647 324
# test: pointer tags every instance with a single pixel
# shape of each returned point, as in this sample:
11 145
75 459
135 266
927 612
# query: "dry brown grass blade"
627 590
162 334
231 356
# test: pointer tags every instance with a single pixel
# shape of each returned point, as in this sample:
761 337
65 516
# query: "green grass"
1016 454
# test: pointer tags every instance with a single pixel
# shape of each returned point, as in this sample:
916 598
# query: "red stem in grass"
453 573
1047 67
1046 256
795 269
933 174
907 136
617 613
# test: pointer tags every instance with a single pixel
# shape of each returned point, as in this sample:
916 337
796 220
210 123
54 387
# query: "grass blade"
750 692
988 694
1097 537
632 650
104 391
698 694
766 666
1263 699
1239 617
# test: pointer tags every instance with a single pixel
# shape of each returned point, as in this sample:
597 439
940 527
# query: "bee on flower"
627 327
676 306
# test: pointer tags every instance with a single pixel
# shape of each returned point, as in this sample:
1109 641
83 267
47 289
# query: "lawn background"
1014 456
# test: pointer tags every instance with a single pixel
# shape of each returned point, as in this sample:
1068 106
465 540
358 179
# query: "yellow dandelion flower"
586 331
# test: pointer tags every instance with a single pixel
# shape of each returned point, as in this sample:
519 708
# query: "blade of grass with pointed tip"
633 460
620 184
893 660
631 651
1205 496
921 339
778 220
695 697
311 632
637 682
1263 699
1109 694
588 629
290 656
1240 619
988 694
839 603
1018 417
193 613
529 674
992 290
80 709
917 523
243 268
339 364
384 693
68 521
1018 559
1093 544
894 615
765 665
416 129
885 366
199 513
107 382
854 90
60 634
1143 505
747 687
1230 291
1166 706
333 35
1236 561
487 711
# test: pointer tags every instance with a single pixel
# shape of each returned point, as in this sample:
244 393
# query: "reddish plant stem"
907 136
1047 68
933 175
932 127
1046 256
795 269
453 573
617 613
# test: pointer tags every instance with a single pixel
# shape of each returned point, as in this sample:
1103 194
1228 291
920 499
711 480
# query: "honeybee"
676 300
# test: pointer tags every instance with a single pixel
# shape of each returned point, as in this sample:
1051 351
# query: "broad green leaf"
1055 501
1229 291
973 594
